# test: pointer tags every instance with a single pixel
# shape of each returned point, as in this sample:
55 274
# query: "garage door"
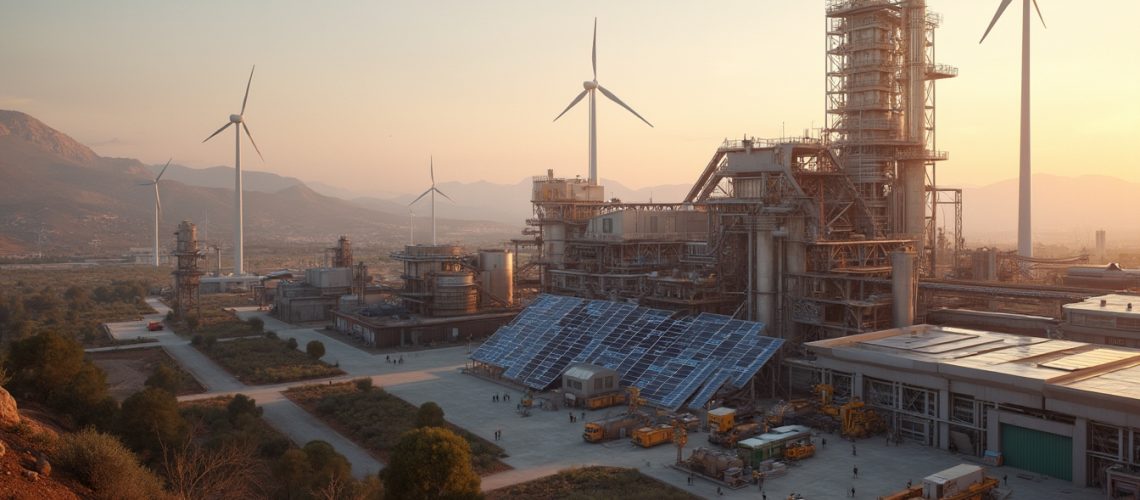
1037 451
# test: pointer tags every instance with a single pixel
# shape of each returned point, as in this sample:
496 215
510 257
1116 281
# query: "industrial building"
798 233
1069 410
317 296
447 296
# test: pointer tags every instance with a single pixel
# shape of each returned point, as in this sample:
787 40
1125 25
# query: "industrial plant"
819 280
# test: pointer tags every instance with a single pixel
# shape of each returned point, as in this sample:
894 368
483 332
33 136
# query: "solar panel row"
668 358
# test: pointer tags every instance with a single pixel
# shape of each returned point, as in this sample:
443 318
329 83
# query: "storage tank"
455 294
497 268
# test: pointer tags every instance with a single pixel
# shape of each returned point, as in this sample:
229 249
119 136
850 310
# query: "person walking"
719 493
1005 479
855 471
823 441
852 492
853 450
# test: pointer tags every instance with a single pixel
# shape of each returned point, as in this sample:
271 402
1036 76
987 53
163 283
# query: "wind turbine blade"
1039 16
163 170
247 84
158 201
431 167
251 141
444 195
146 183
594 50
218 131
1001 8
614 98
420 196
572 103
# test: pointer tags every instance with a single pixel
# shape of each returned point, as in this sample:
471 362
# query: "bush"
315 349
363 384
291 343
209 342
103 464
241 405
196 340
256 325
165 377
430 415
192 322
270 334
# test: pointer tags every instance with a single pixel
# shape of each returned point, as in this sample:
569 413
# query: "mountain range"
60 197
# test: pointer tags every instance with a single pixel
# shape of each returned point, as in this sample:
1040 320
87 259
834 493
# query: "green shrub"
103 464
256 325
315 349
291 343
363 384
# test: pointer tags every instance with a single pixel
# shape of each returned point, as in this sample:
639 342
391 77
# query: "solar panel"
668 358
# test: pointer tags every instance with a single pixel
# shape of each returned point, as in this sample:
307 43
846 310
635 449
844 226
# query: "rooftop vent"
1129 306
1103 302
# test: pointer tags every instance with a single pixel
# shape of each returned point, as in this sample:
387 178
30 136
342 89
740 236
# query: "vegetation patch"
593 483
375 420
264 360
129 370
215 318
76 311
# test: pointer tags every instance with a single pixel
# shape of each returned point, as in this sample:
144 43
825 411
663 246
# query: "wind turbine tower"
432 190
238 119
589 87
1024 205
157 207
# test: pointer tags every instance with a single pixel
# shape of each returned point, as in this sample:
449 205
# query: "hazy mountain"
223 178
1065 210
59 197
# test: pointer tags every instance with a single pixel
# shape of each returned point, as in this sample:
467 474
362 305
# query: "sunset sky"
359 94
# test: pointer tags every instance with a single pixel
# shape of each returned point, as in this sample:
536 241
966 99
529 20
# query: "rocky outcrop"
9 415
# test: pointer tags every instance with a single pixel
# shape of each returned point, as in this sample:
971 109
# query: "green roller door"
1037 451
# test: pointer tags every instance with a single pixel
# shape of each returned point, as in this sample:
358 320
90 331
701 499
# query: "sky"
359 94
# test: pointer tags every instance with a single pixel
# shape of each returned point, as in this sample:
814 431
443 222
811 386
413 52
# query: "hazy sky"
359 94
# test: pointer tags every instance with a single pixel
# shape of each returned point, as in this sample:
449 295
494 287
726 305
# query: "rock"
9 415
3 449
31 475
42 465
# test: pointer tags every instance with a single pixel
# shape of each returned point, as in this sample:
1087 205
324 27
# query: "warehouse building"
1059 408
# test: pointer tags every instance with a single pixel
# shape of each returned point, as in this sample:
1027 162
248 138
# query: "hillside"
59 197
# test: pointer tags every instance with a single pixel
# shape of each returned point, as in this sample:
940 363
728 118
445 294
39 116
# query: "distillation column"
912 169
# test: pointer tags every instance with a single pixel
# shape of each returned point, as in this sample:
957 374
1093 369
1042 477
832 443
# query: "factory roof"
584 371
1113 304
1055 368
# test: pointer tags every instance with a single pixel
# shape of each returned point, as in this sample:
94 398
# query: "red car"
154 326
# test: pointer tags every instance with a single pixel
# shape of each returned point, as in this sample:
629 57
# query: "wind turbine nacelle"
590 85
235 118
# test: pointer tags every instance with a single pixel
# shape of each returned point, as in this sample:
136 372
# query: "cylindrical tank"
903 288
455 294
497 274
187 237
555 241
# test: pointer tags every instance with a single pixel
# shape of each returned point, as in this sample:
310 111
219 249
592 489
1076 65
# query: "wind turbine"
157 207
433 191
1024 207
238 119
590 86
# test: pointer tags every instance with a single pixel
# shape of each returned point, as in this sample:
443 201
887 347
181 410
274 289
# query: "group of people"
506 396
395 361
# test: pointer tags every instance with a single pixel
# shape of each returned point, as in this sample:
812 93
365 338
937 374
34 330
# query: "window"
607 225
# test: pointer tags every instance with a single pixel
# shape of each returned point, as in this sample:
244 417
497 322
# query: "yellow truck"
648 437
614 427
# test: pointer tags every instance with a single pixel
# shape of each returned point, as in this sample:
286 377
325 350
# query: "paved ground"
547 442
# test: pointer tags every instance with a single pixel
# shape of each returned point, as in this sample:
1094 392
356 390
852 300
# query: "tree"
315 469
165 377
50 368
242 405
430 415
150 418
315 349
430 463
228 471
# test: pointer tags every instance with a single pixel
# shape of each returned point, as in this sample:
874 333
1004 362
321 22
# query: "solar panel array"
669 359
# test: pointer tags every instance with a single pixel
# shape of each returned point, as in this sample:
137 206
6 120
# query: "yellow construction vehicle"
858 421
961 482
648 437
826 395
799 450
